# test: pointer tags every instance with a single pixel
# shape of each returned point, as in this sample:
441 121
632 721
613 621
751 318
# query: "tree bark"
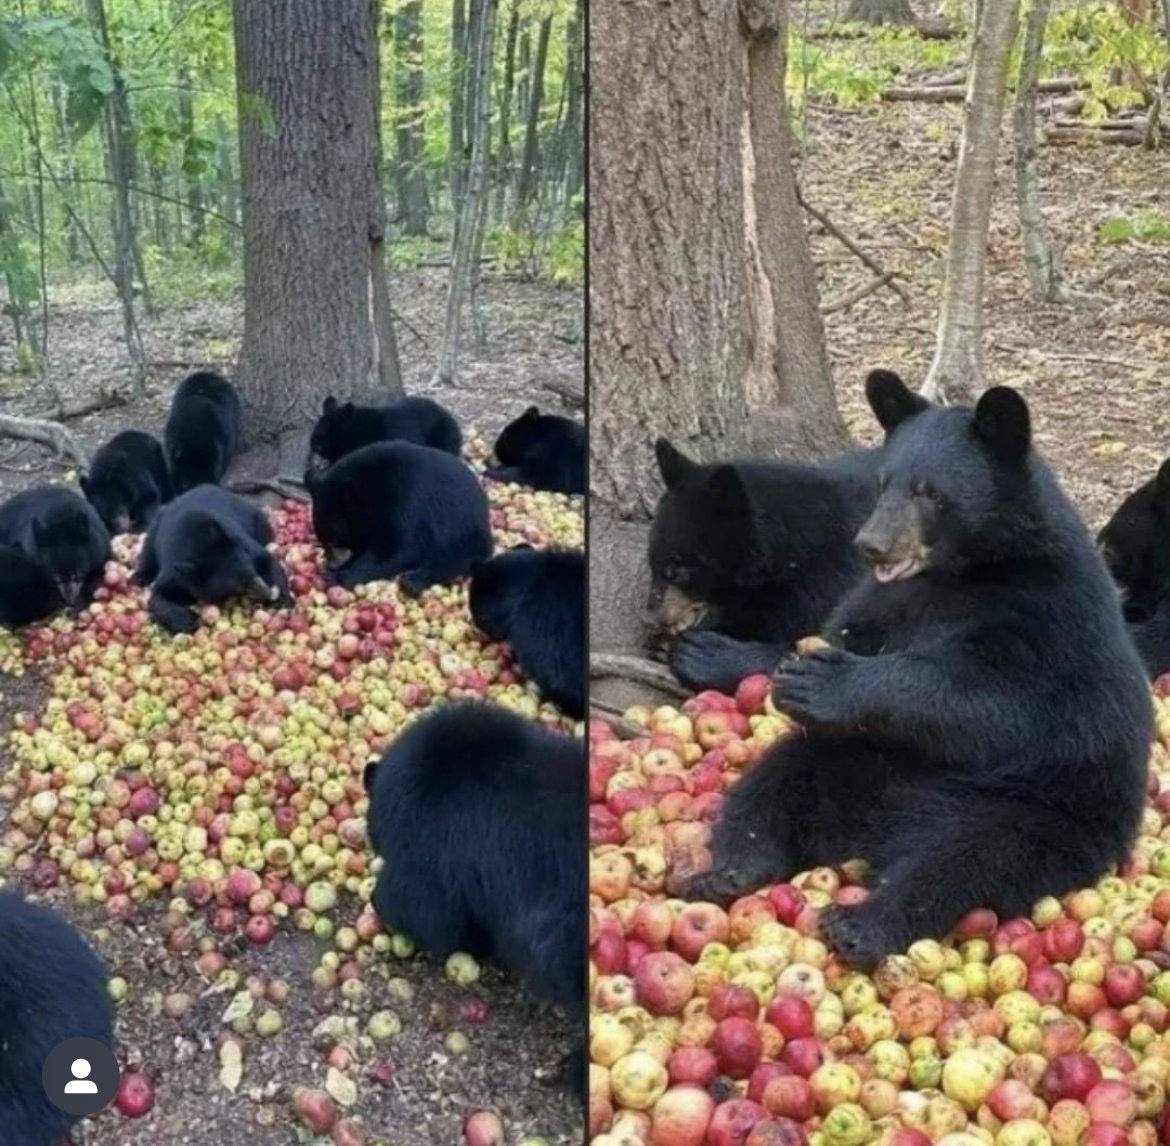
504 155
456 139
703 299
468 231
528 163
1045 273
956 373
410 178
316 310
880 11
573 146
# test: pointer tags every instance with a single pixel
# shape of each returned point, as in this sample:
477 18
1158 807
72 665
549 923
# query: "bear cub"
206 546
979 727
544 451
202 433
399 510
1136 546
28 592
747 557
345 427
535 600
61 533
128 481
477 815
52 988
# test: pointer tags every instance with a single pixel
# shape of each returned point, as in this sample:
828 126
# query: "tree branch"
46 433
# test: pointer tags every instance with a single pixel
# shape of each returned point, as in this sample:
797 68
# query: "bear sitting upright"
979 729
206 546
1136 546
52 988
544 451
535 600
477 814
60 532
748 557
202 433
344 427
399 510
128 482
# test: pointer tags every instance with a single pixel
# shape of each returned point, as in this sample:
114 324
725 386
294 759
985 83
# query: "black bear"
477 815
343 428
544 451
978 728
748 557
202 433
28 592
128 481
399 510
206 546
535 600
60 531
1136 546
52 988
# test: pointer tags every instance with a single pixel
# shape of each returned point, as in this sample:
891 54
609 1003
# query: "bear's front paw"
814 689
861 935
703 658
720 886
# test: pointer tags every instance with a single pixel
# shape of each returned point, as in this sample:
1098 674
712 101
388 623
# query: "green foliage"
183 275
407 254
566 256
1146 226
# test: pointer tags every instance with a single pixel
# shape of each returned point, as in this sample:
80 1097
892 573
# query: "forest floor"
534 336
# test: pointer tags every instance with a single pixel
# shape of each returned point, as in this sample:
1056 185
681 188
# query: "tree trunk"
480 36
229 187
456 155
1045 273
72 237
505 158
315 305
956 374
160 230
528 162
410 178
880 11
573 147
190 160
703 298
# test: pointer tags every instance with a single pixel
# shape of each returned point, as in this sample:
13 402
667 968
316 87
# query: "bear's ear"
329 405
532 412
673 464
732 505
1002 423
1162 483
891 400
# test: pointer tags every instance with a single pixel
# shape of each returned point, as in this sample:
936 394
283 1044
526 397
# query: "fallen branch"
954 93
1111 271
1133 137
46 433
846 301
277 486
568 393
108 400
637 670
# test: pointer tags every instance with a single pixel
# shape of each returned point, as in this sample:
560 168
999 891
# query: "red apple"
1069 1076
692 1064
681 1117
1124 984
737 1045
778 1132
790 1096
697 925
733 1121
791 1016
729 1000
135 1095
663 982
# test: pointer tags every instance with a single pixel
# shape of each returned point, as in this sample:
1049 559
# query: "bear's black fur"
749 557
128 481
202 433
1136 546
206 546
980 730
60 531
52 988
478 817
343 428
27 591
535 600
544 451
399 510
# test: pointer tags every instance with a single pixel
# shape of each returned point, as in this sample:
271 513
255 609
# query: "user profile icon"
80 1076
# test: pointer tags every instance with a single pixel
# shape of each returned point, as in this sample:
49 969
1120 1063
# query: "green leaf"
83 105
1117 229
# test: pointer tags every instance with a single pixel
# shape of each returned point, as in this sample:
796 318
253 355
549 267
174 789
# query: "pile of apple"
222 771
740 1027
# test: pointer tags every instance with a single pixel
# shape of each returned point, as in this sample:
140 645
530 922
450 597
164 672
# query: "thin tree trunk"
118 161
194 183
456 157
956 373
1045 273
880 11
72 238
229 195
475 199
158 209
315 306
528 162
410 179
506 159
573 146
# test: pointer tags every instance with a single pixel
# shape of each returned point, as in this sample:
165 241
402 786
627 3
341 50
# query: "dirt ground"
514 1055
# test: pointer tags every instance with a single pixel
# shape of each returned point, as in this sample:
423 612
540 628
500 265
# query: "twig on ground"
637 670
863 291
47 433
277 486
570 394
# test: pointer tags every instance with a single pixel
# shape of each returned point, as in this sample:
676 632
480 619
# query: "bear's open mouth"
886 571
